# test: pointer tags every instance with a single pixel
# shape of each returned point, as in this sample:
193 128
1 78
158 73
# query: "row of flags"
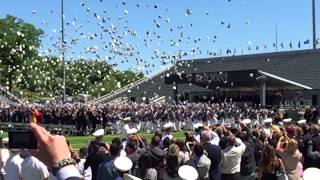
265 46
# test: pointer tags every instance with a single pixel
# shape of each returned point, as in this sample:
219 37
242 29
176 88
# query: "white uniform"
32 168
13 167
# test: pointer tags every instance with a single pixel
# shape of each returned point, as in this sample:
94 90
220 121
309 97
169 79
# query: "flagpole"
62 54
314 24
276 38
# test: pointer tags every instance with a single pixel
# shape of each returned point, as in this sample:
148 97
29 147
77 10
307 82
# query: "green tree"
18 44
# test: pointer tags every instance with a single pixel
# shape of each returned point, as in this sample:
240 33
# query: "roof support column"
263 92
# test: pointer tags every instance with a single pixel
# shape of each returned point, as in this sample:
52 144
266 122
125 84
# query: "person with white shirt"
86 173
13 166
4 153
32 168
231 158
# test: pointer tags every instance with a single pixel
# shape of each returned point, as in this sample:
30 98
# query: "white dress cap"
246 121
99 132
288 120
268 120
197 125
311 174
5 140
132 131
187 172
302 121
168 125
123 164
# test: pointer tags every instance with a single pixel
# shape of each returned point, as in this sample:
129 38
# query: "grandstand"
290 72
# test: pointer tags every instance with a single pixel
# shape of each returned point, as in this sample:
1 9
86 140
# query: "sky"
146 35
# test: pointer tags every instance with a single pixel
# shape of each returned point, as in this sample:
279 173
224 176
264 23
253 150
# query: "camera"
22 139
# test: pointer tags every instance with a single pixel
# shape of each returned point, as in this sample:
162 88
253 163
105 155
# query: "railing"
9 96
129 86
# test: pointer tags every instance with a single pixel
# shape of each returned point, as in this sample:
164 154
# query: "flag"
274 45
290 45
282 45
299 44
306 41
257 48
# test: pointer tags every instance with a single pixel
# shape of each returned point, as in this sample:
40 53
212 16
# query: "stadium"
141 90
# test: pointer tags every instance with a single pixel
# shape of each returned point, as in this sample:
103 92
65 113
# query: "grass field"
80 141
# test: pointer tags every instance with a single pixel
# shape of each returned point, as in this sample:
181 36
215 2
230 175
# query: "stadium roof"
299 68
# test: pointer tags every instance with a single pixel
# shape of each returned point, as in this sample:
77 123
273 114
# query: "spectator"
200 161
86 173
231 158
214 154
32 168
172 167
147 170
270 165
13 166
106 168
97 153
290 157
133 155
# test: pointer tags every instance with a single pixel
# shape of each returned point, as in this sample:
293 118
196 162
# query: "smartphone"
22 139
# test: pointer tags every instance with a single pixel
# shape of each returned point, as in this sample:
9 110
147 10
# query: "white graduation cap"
197 125
288 120
98 133
311 174
302 121
5 140
123 164
127 119
168 125
132 131
319 121
268 120
130 177
247 121
187 172
301 112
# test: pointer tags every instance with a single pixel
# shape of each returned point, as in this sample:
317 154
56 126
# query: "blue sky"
201 26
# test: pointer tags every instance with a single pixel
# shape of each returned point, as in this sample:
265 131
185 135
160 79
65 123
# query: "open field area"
79 141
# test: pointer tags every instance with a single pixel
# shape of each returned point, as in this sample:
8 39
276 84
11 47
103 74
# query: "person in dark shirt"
96 156
214 154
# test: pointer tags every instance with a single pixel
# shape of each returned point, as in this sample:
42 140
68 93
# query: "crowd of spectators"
223 142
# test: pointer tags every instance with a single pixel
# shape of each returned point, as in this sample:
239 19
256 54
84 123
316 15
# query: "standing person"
147 170
270 165
13 166
231 158
290 157
214 154
4 155
200 161
106 168
32 168
86 173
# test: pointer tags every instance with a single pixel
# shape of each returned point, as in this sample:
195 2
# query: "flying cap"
123 164
132 131
246 121
168 125
187 172
98 133
311 174
302 121
268 120
288 120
